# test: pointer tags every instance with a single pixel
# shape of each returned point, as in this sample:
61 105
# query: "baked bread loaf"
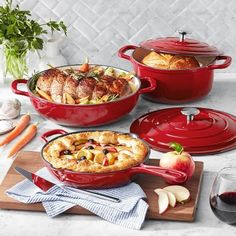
168 61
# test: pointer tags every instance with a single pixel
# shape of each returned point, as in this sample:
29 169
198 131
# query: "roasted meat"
59 85
100 90
45 80
120 86
70 87
86 87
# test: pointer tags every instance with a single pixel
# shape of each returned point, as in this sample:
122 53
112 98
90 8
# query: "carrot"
29 133
85 67
23 122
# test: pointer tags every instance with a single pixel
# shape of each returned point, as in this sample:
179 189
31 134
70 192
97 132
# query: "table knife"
45 185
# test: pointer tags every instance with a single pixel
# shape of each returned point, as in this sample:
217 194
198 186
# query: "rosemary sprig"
93 75
79 75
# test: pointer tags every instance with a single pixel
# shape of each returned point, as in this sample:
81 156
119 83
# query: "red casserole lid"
181 45
199 130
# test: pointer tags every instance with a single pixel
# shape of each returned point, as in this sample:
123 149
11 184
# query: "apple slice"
172 198
181 193
163 200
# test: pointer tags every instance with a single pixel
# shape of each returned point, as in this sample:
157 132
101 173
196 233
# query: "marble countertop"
222 97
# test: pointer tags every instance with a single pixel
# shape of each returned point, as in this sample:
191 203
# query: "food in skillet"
83 85
95 151
168 61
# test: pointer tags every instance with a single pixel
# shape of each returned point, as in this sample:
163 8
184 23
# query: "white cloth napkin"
130 212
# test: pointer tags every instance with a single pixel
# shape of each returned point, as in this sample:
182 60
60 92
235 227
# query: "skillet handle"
122 51
14 86
227 62
50 133
151 87
171 176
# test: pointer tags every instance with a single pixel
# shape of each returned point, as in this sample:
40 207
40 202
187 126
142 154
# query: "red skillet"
108 179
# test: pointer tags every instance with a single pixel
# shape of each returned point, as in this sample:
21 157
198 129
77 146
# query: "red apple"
178 160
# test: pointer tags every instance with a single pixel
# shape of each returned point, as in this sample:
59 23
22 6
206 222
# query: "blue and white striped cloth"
130 212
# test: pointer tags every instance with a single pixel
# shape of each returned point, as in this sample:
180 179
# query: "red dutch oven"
107 179
182 85
84 115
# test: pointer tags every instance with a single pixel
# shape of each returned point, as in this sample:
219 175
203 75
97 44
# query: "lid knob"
182 34
190 112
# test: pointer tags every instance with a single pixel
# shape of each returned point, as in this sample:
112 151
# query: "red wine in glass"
224 207
223 195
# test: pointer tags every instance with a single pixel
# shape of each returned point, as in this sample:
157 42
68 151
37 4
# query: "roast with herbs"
83 85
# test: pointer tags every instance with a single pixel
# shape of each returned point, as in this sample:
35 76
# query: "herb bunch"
20 34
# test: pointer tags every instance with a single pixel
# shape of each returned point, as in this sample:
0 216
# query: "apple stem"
177 147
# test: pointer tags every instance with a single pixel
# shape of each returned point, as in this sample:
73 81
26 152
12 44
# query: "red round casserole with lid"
198 130
177 85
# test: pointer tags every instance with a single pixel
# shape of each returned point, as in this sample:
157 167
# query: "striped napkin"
130 212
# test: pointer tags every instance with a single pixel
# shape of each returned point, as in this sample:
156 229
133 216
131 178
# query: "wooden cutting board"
182 212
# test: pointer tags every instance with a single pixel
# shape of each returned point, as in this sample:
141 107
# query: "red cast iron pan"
107 179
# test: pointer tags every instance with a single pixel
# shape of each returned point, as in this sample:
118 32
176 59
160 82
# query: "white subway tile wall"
98 28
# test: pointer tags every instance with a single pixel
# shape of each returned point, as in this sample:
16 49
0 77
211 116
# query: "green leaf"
37 43
10 29
177 147
53 25
36 28
64 28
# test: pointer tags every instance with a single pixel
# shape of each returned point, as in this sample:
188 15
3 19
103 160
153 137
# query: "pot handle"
50 133
153 85
227 62
14 86
122 51
171 176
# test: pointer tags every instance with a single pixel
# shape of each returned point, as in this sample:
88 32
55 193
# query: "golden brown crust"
168 61
129 152
183 62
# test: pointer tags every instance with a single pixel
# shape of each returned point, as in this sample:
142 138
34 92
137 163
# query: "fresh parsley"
20 34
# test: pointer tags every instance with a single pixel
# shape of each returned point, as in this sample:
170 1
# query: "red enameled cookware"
108 179
177 86
84 115
199 130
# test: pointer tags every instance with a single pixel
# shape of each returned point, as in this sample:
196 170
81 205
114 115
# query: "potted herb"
20 34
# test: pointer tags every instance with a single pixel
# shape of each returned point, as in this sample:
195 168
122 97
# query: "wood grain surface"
182 212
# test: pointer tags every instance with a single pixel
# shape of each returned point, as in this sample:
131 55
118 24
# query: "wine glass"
223 195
